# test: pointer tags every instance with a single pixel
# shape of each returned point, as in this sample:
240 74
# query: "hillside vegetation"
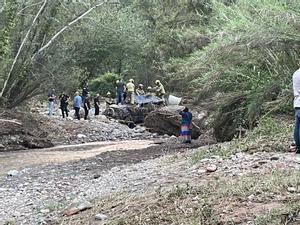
244 50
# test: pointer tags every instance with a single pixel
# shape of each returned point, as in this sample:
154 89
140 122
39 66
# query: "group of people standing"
126 92
78 101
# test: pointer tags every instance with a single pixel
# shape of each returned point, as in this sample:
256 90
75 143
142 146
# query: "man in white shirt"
296 89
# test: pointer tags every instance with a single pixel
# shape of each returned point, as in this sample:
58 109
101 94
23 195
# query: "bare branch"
66 27
28 7
21 47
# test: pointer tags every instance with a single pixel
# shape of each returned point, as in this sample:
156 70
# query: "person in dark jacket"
64 101
97 104
186 123
85 91
120 88
86 106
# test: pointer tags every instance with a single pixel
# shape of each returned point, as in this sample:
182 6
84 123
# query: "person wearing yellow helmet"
160 90
130 91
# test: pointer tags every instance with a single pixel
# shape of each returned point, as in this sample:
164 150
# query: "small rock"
255 166
101 216
205 160
81 206
201 171
274 158
173 137
96 176
291 189
13 173
81 136
211 168
261 162
45 211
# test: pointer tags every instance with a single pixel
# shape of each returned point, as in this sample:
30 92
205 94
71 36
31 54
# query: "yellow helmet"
149 88
157 82
131 80
108 93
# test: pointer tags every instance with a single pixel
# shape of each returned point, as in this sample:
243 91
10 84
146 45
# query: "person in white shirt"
296 89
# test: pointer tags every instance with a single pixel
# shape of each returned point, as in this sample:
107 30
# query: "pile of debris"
128 113
21 131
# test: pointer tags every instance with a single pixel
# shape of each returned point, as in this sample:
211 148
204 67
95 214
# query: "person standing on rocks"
296 89
130 91
86 106
77 104
97 104
109 100
85 91
140 90
51 99
64 101
186 123
120 91
160 90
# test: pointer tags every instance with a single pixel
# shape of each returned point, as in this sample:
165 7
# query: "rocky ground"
43 194
135 177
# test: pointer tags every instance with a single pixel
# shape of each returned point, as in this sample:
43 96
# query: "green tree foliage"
197 47
104 83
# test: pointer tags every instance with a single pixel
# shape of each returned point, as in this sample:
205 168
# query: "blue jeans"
297 130
50 108
120 97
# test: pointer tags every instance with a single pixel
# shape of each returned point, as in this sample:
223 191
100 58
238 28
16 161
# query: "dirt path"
60 154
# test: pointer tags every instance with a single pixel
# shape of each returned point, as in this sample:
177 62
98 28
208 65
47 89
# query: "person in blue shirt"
77 104
186 123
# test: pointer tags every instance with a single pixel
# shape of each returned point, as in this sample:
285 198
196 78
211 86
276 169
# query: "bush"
104 83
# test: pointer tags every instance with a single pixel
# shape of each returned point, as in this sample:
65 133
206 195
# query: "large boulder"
167 121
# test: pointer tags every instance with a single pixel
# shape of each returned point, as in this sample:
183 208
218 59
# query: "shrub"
104 83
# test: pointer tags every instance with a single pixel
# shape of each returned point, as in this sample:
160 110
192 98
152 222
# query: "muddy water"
29 158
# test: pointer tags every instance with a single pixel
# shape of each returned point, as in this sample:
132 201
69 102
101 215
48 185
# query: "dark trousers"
96 110
64 109
77 115
86 112
297 130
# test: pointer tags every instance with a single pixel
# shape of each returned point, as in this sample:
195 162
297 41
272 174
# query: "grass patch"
204 204
271 135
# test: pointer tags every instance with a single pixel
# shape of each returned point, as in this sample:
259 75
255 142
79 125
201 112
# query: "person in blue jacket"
77 104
